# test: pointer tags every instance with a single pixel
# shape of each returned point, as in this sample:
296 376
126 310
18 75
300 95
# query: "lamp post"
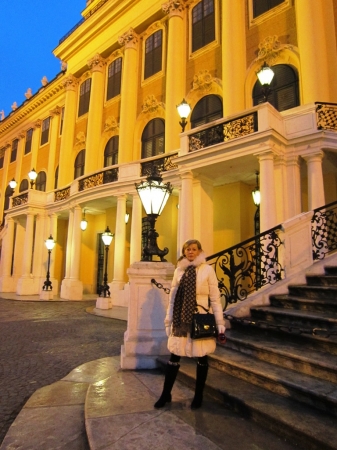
32 177
153 194
107 237
265 76
184 110
50 243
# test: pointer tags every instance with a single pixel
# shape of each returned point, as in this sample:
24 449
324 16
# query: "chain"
160 286
314 331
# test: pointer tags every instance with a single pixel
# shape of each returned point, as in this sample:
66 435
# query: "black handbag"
203 325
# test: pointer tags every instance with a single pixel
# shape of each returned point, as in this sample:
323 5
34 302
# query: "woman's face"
192 251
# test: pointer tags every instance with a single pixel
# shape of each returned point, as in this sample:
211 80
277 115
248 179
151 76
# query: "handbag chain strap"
196 308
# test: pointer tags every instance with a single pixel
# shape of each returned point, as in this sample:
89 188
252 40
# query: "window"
56 179
24 186
153 54
153 138
284 91
111 152
14 150
2 157
61 120
28 143
79 164
40 183
262 6
203 24
8 194
83 106
45 131
114 78
207 109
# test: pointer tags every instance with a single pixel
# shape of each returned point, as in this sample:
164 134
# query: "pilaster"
186 210
54 133
316 196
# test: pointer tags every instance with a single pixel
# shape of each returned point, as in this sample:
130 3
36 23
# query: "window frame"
79 164
153 139
41 181
214 43
114 153
45 127
111 80
14 150
84 98
151 57
157 26
286 4
28 142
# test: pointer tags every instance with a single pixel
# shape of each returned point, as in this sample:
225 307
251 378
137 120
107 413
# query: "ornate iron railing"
248 266
241 126
324 230
163 164
62 194
106 176
20 199
326 114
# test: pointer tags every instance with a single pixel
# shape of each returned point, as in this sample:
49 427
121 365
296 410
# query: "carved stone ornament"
44 81
37 124
151 104
56 111
97 62
110 124
269 49
203 80
2 115
80 138
64 66
14 106
129 38
29 93
70 82
173 7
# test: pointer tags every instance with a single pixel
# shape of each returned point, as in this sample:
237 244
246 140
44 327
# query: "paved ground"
40 343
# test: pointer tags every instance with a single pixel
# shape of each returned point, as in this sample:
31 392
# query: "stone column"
186 210
267 189
25 285
72 287
175 71
316 196
119 256
233 28
203 211
136 230
93 158
280 191
6 256
129 96
54 133
35 144
318 56
293 187
66 170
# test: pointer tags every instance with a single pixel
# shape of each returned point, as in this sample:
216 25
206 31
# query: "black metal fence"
324 230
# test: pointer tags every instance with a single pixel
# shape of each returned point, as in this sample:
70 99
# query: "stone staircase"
279 366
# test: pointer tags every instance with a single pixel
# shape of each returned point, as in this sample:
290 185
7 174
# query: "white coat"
207 288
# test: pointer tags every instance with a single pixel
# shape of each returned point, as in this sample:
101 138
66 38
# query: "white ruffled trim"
184 263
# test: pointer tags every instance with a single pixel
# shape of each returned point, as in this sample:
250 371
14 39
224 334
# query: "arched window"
203 24
56 179
40 183
79 164
111 152
207 109
153 138
284 92
24 186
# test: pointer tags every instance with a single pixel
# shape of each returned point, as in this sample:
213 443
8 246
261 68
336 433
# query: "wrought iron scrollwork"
20 199
63 194
324 230
246 267
162 164
326 116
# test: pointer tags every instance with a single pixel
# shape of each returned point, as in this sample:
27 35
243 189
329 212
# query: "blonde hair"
187 244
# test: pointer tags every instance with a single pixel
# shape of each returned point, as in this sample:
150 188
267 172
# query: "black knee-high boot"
202 370
170 377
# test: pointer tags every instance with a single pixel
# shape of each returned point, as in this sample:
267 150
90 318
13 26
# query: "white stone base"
26 286
103 303
137 362
46 295
71 289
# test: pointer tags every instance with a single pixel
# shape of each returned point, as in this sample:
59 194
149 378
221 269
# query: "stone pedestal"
71 289
145 338
103 303
46 295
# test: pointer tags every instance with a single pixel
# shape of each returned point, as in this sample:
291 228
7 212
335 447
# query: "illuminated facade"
96 128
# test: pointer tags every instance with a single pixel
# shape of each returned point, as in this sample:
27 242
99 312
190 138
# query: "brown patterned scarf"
185 303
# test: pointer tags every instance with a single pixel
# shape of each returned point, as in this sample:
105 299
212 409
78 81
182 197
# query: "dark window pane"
28 143
153 138
23 185
41 180
45 131
207 109
203 24
114 78
56 177
14 150
262 6
111 152
85 89
79 164
153 54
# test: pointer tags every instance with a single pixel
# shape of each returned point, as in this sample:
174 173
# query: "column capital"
96 63
173 8
317 156
70 83
37 124
129 39
56 111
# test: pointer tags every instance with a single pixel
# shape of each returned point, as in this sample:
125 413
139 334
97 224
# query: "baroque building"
98 127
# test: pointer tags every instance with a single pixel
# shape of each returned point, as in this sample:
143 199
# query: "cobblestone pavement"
41 342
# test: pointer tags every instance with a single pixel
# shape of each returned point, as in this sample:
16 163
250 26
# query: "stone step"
321 280
330 270
301 425
304 321
287 354
313 292
303 304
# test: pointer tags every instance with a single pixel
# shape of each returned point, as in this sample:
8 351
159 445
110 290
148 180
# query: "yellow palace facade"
96 129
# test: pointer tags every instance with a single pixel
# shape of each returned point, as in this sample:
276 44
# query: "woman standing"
198 286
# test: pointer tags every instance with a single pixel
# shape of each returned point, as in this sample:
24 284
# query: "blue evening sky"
29 32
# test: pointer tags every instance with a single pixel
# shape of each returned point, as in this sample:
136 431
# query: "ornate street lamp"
13 184
107 237
153 194
84 222
32 177
265 76
184 110
50 243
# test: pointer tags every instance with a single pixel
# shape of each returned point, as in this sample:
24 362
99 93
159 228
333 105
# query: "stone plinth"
145 338
103 303
46 295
